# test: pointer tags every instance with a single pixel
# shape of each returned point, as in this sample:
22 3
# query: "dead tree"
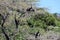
4 17
2 26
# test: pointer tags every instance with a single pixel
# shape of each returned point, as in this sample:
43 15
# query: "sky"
52 5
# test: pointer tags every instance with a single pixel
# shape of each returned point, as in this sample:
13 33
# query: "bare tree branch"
2 26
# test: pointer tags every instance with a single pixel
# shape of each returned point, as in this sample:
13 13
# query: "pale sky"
52 5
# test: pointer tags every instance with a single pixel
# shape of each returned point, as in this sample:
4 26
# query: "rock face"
48 36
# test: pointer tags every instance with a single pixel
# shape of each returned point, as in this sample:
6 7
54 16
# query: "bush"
42 21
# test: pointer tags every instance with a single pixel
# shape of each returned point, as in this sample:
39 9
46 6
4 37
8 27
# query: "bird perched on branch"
37 34
30 9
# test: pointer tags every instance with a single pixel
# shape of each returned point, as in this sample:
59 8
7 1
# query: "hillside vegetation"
19 23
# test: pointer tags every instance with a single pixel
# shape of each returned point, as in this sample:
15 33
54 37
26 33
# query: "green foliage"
35 29
42 21
19 36
57 19
58 23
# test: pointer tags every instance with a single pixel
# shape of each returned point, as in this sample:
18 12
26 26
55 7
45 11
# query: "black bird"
37 34
30 9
